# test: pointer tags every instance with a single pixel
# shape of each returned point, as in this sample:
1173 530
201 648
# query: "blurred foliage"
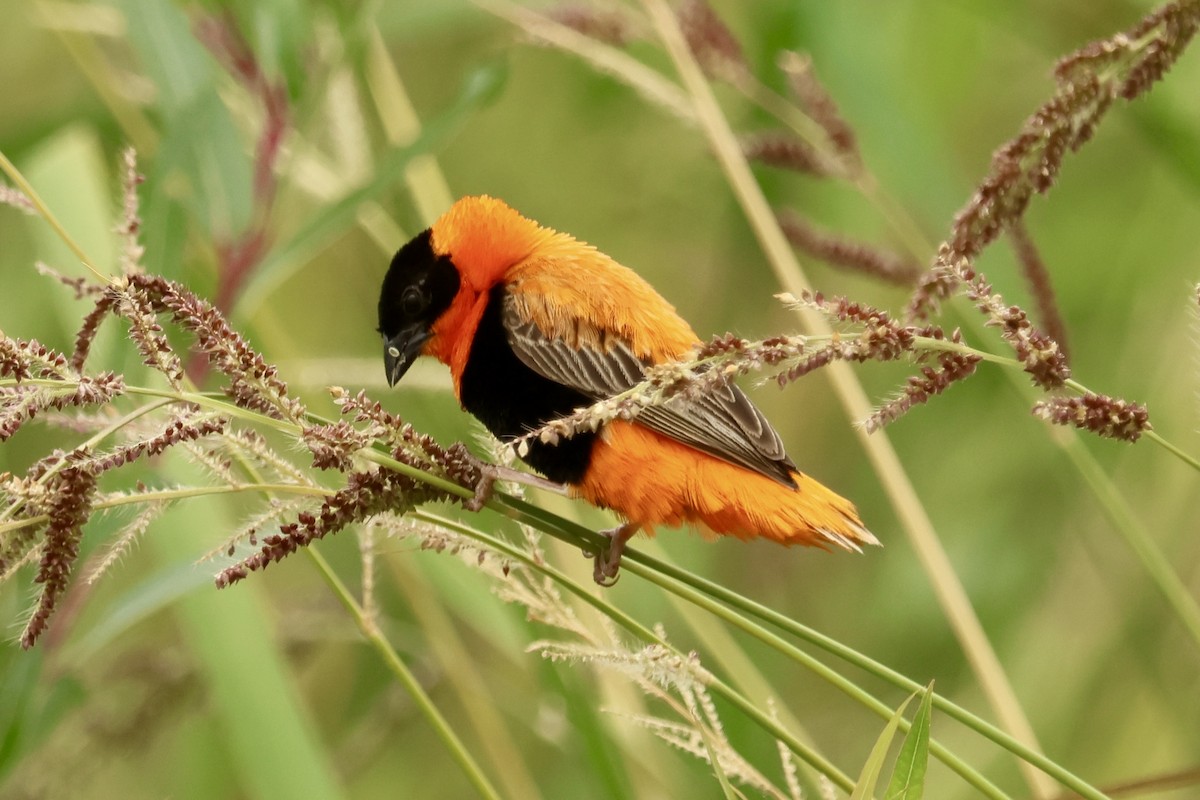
155 685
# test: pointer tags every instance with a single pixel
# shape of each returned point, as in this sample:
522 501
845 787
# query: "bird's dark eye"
412 302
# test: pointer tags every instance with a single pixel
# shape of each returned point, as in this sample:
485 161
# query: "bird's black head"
418 288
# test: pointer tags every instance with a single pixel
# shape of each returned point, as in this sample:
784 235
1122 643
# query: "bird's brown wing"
723 422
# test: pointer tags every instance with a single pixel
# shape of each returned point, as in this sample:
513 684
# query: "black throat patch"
510 399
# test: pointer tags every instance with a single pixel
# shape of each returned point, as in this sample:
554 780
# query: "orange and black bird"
535 324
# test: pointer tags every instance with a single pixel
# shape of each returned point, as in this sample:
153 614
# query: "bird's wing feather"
723 423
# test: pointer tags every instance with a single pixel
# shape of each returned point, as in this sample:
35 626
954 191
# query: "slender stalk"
949 589
45 213
573 533
465 676
751 608
1164 576
847 687
764 720
405 676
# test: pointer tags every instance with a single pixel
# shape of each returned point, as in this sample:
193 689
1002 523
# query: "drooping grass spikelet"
1037 278
364 495
409 445
68 505
610 24
952 367
253 383
786 151
1124 65
715 47
846 253
1143 54
1104 416
1041 356
189 426
819 104
136 307
30 360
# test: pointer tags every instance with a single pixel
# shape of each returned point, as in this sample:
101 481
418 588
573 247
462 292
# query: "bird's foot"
483 489
608 562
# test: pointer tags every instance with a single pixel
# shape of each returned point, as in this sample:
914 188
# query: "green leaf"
169 54
908 776
865 786
29 711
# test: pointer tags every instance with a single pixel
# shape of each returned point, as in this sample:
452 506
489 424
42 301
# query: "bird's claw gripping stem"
608 561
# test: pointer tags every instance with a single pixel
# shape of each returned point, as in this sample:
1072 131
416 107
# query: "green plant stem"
851 656
405 676
732 695
692 589
572 533
44 211
1172 448
1136 536
843 684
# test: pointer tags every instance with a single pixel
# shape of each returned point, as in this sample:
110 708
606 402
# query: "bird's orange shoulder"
576 293
568 288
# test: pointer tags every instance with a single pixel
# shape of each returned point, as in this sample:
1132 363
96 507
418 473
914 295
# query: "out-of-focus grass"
1099 663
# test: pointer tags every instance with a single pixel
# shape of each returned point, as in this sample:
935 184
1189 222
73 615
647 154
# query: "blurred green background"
155 685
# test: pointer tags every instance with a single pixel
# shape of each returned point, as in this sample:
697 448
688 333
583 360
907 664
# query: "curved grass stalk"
951 594
700 587
44 211
405 676
563 530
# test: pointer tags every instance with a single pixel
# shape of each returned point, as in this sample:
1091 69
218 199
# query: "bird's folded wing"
722 422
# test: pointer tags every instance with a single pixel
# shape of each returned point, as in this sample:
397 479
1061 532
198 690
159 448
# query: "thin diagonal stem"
952 597
45 213
406 677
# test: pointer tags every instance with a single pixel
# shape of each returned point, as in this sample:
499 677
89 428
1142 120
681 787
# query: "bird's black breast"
510 399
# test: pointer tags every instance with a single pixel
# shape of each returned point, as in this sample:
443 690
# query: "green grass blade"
865 786
908 776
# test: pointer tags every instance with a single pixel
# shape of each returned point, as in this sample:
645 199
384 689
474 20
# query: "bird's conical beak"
402 350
